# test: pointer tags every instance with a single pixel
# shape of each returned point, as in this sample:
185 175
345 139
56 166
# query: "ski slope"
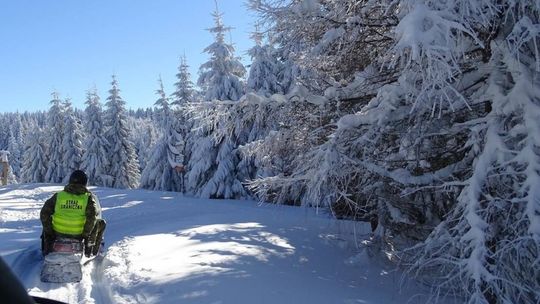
163 247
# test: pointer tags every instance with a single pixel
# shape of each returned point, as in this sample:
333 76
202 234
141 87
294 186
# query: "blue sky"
71 45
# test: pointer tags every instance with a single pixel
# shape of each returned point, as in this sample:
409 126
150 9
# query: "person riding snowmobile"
74 213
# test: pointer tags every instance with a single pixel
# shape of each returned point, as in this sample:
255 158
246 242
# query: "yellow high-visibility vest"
70 213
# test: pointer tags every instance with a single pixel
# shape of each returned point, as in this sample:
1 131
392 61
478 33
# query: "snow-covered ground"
166 248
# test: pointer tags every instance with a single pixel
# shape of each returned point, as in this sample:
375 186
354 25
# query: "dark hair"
78 177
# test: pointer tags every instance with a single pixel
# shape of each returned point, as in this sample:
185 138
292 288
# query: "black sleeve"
91 216
46 215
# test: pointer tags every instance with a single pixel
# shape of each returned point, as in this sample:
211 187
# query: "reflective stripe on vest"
70 213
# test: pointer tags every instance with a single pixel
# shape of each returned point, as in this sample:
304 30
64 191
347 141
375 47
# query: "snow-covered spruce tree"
149 126
180 137
160 174
15 128
4 130
234 144
16 134
143 140
185 91
55 145
221 77
163 109
202 147
219 165
124 165
95 160
15 149
34 163
211 169
72 141
296 126
263 73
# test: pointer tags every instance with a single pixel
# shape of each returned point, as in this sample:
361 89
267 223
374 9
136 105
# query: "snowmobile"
64 263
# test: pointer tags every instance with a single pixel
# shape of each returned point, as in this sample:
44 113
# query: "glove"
87 247
49 233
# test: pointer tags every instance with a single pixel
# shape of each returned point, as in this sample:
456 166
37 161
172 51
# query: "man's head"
78 177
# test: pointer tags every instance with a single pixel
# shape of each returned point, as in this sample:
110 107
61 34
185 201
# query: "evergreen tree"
55 126
179 130
34 164
72 141
177 152
95 160
163 109
124 165
220 78
263 74
160 174
144 139
288 75
184 92
214 156
14 148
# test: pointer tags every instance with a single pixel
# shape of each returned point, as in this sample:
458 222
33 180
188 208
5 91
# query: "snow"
307 7
4 156
163 247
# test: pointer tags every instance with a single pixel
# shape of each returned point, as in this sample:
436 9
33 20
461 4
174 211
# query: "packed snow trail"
166 248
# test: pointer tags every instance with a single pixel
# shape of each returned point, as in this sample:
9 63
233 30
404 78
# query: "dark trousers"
92 243
95 239
96 236
47 242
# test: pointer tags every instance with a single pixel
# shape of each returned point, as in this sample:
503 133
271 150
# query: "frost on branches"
323 43
488 245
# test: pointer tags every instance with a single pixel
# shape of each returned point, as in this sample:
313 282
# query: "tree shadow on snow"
244 261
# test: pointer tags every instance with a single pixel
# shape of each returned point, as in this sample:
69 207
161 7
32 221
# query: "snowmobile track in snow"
93 288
